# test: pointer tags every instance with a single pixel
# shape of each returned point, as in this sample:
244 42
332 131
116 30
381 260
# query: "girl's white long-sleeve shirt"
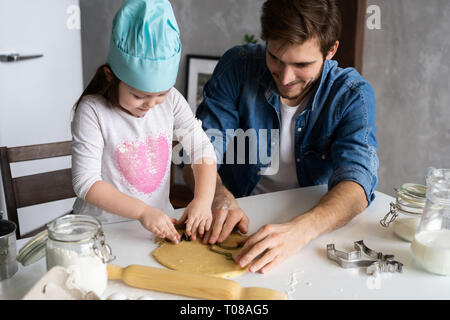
130 153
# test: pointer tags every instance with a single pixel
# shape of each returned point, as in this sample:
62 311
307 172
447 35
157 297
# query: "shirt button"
324 157
273 143
299 129
298 159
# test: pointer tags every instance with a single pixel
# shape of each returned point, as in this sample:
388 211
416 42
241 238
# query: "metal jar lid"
33 250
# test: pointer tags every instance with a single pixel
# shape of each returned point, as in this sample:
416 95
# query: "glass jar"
407 210
77 242
431 245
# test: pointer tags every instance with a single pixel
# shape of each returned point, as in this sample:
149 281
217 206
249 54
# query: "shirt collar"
319 87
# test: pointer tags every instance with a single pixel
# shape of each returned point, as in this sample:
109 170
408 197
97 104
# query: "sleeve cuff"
82 188
355 175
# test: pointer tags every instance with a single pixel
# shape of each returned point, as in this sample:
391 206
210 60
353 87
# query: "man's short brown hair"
296 21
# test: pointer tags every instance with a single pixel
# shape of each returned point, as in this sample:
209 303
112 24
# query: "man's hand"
277 242
274 243
226 215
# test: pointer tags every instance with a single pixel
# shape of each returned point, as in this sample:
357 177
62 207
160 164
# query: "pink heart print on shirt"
143 163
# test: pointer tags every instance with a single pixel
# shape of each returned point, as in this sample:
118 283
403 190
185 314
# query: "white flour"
88 270
432 250
406 228
293 283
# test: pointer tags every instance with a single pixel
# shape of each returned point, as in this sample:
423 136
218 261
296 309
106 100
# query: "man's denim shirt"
334 136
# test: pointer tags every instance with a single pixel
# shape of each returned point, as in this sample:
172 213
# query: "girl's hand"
198 218
159 223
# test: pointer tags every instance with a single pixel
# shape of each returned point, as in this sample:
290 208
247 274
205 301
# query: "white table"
307 275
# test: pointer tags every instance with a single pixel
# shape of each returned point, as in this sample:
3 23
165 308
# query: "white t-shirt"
130 153
282 173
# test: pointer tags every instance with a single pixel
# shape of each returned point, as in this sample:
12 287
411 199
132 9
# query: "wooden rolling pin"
189 284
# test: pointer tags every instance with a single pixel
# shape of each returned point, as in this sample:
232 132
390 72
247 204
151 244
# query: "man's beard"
301 94
305 89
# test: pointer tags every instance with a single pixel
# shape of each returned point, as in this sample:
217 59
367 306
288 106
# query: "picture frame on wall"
198 72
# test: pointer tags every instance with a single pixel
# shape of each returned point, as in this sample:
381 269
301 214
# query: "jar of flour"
77 242
405 213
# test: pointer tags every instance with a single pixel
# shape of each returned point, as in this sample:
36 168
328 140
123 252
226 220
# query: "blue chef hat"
145 47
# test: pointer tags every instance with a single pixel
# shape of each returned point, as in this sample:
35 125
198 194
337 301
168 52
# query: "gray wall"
96 22
407 62
210 27
207 27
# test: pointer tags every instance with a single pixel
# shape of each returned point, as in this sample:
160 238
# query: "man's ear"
108 73
332 51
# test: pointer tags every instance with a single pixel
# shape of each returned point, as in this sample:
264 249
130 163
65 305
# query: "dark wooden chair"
180 194
38 188
54 185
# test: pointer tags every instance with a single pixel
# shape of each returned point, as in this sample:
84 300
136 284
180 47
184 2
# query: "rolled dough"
194 256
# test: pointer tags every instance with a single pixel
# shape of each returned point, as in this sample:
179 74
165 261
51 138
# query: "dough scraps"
194 256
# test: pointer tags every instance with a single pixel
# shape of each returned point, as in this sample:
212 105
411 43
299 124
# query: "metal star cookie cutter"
379 262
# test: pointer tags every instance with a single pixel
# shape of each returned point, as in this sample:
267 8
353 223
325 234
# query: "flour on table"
292 283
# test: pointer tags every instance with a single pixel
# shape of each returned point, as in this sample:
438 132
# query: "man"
325 116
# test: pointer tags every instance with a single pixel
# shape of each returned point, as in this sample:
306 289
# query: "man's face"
294 67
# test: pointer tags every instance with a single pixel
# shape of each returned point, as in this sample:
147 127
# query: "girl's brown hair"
104 83
296 21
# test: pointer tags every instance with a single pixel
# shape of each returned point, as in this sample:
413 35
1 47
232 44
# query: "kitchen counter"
307 275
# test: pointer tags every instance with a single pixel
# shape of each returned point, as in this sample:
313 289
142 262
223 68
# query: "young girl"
125 121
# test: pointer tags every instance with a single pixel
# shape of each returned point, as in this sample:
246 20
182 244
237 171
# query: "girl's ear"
108 73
